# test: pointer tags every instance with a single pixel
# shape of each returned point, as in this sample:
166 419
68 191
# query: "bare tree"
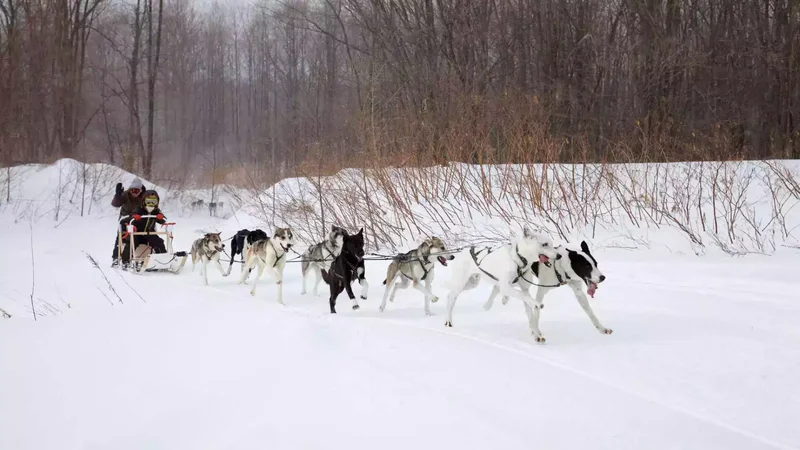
152 73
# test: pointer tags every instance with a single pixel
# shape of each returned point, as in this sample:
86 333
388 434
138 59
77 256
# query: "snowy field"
704 355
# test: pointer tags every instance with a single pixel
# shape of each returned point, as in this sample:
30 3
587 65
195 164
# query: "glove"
119 188
137 217
160 217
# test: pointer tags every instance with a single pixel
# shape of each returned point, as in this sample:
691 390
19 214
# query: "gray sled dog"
269 254
207 249
320 256
574 268
413 268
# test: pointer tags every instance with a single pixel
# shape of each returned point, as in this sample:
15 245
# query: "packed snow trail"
703 355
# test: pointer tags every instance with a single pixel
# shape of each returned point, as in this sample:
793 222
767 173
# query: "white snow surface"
704 355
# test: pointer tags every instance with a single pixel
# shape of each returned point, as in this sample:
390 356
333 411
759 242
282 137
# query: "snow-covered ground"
704 355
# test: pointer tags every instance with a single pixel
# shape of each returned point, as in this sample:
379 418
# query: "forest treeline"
174 88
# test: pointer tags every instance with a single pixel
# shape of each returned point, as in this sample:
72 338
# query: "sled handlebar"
146 216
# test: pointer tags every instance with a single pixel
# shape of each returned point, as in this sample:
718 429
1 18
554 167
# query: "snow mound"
69 188
695 208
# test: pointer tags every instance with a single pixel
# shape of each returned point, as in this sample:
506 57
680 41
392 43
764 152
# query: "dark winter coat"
127 203
145 224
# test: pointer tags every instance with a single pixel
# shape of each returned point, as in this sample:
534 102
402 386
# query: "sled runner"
143 259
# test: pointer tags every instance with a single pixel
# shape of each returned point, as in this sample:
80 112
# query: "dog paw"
434 299
363 297
606 330
253 293
428 313
448 324
488 305
355 307
540 339
505 300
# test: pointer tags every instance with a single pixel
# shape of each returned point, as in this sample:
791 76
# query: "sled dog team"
512 269
528 260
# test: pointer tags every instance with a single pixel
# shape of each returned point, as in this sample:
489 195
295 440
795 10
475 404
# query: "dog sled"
143 259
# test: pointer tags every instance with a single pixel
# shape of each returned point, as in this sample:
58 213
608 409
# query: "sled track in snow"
525 352
587 375
528 355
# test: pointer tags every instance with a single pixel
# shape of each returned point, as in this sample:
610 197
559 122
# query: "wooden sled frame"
143 256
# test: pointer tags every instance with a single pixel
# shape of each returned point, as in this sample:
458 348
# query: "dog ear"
526 232
584 247
361 231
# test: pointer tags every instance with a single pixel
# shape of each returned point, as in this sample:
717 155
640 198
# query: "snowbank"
733 208
69 188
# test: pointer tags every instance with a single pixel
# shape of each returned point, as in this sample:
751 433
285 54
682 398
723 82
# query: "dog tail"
326 276
194 257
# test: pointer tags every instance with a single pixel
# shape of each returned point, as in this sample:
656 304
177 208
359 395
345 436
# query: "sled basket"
142 257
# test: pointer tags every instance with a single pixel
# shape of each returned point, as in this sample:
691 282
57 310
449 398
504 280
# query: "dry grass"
412 180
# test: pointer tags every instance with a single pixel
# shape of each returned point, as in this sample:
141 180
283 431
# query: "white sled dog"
413 268
269 254
503 267
571 267
207 249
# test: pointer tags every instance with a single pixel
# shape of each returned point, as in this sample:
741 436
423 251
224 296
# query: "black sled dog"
346 268
241 242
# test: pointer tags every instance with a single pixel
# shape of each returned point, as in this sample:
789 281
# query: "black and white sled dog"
575 268
320 256
241 241
346 268
571 267
207 249
504 267
413 268
269 254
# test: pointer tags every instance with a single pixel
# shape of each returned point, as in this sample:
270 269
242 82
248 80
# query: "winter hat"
136 184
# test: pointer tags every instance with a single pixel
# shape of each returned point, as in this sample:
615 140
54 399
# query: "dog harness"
276 252
406 258
351 267
521 270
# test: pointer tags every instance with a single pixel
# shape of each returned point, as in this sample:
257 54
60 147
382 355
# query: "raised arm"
116 202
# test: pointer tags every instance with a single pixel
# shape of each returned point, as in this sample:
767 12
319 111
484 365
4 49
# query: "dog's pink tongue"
543 258
592 289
